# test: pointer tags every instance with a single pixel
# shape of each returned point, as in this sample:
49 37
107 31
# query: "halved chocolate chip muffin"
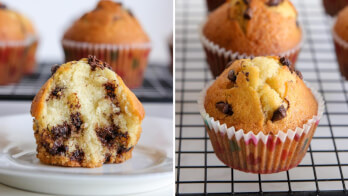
260 115
85 116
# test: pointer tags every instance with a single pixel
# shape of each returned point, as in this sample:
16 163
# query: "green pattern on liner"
304 145
135 63
114 55
206 122
234 146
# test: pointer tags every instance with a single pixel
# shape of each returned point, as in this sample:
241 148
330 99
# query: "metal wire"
157 85
323 171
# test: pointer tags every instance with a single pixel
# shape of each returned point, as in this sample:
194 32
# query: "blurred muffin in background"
340 38
18 43
248 28
112 34
213 4
332 7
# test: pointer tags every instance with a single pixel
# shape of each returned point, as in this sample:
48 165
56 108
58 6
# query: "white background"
51 19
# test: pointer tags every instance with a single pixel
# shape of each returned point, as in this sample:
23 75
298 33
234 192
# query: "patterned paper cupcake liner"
13 58
128 61
218 57
341 47
261 153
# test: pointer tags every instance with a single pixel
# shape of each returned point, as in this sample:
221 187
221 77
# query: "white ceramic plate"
150 168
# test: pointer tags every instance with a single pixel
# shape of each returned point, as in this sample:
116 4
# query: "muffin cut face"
86 118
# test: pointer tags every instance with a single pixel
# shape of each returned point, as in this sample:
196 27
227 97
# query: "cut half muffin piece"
85 116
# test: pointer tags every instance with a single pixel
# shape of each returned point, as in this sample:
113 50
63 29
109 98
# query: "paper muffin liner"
128 61
341 48
13 56
261 153
218 57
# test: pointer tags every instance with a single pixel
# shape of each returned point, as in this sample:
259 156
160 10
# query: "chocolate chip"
94 63
110 90
228 109
3 6
123 149
247 2
77 155
130 13
107 157
286 62
57 92
297 23
279 114
248 14
58 148
247 74
224 108
274 2
111 135
61 131
76 120
232 76
220 105
299 74
54 68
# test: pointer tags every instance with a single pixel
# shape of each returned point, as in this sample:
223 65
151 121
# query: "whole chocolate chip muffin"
113 34
85 116
245 28
260 115
340 38
18 42
263 94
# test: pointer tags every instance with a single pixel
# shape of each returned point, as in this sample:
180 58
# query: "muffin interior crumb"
268 78
86 115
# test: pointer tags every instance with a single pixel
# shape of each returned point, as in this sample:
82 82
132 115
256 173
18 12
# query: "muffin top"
254 27
14 26
108 23
261 94
341 26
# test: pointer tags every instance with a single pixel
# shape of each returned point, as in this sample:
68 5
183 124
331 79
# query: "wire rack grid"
157 85
324 169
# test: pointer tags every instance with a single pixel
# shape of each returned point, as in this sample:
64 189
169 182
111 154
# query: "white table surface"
20 107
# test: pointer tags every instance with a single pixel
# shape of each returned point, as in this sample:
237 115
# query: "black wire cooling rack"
157 85
324 169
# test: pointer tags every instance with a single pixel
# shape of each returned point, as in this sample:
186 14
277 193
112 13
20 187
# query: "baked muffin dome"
341 25
13 25
261 94
85 116
254 27
108 23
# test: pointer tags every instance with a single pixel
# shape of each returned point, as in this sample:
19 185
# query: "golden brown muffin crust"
14 26
255 28
341 25
254 101
109 23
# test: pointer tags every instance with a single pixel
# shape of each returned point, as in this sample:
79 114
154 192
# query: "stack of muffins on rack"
259 113
18 43
112 34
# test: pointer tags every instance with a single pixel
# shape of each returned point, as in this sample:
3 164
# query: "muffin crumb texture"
85 116
263 95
